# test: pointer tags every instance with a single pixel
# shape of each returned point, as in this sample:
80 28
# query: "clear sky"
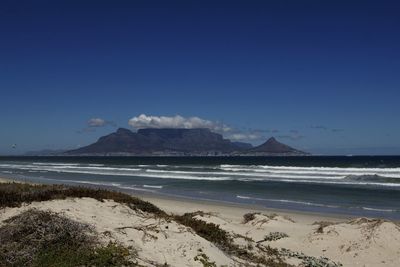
323 76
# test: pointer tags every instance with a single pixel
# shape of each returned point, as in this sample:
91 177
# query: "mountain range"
178 142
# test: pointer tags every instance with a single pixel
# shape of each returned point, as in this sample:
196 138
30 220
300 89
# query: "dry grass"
42 238
14 194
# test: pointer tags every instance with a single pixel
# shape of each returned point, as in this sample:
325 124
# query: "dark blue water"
360 186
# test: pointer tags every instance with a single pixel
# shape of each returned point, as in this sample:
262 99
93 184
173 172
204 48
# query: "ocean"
353 185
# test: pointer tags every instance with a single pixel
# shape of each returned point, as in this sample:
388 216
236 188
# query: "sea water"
359 186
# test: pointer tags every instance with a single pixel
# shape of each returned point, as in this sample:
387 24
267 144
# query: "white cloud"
145 121
244 136
96 122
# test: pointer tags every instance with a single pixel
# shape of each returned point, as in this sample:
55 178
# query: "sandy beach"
350 241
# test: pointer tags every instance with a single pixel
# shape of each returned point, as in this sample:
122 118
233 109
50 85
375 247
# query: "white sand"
351 242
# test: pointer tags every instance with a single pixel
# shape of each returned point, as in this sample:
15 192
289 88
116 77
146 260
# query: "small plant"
309 261
205 260
273 236
248 217
322 225
271 216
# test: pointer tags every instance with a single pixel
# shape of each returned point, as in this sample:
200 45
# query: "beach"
350 241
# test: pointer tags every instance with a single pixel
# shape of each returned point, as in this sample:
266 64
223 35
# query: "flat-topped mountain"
160 141
179 142
188 140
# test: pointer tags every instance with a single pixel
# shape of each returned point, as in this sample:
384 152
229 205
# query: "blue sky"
323 76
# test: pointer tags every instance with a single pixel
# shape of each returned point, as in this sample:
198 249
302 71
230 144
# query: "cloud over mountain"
244 136
177 121
233 133
230 132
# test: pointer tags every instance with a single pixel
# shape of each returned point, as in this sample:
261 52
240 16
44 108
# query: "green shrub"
69 256
224 241
42 238
208 231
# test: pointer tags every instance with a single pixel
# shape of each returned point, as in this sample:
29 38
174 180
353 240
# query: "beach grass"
14 194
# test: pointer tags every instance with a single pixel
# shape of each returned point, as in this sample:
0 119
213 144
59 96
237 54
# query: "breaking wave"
372 178
389 177
379 210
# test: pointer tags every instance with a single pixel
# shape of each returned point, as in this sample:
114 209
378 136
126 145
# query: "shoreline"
174 203
188 204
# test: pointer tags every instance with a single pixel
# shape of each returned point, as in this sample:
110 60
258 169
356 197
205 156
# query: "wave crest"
372 178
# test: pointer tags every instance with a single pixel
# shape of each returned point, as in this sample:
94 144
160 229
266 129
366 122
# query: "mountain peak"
273 146
272 140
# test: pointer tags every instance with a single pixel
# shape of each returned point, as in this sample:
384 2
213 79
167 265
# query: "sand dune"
158 241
